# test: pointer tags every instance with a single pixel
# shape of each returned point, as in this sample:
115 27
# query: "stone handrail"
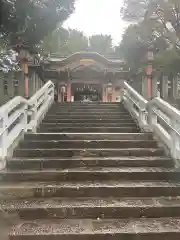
20 115
136 105
156 116
164 121
40 104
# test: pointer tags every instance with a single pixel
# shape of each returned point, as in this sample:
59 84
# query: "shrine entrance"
86 92
86 76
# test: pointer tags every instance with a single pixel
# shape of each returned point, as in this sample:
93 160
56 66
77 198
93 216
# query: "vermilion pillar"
150 58
26 80
149 81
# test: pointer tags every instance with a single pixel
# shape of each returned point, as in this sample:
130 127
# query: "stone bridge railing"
19 116
157 116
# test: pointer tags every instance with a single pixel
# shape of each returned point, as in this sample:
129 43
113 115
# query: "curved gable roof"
87 55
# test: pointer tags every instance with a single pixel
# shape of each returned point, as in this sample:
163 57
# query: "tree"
76 42
69 41
134 45
131 48
134 10
65 42
168 62
101 44
27 22
55 40
7 57
8 61
165 12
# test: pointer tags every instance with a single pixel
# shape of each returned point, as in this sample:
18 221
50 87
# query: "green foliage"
134 10
134 45
101 44
76 42
65 42
55 40
131 48
27 22
164 12
162 17
168 62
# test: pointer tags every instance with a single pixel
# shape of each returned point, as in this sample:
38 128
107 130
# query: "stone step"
111 229
72 152
30 144
72 121
89 136
88 116
58 163
102 208
86 104
86 107
107 229
28 190
102 104
88 111
85 124
70 129
91 174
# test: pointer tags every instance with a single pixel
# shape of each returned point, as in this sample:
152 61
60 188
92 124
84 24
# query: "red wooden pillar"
149 71
23 56
149 81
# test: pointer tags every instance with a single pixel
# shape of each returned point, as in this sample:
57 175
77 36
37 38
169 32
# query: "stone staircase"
89 173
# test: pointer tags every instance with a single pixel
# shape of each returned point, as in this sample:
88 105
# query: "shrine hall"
86 76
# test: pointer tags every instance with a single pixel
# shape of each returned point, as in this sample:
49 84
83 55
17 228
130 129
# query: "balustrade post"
33 111
154 87
152 118
164 87
143 118
173 93
25 117
129 102
3 139
144 88
175 139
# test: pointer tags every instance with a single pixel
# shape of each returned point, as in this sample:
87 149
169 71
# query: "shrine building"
86 75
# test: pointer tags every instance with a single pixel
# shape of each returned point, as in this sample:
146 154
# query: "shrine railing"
164 121
136 105
19 116
156 116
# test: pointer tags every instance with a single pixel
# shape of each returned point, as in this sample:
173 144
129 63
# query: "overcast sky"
98 16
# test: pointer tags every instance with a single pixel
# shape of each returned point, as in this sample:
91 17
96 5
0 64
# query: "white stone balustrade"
164 121
136 105
19 116
156 116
